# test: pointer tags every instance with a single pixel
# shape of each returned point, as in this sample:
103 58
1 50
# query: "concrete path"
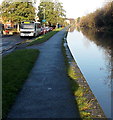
47 92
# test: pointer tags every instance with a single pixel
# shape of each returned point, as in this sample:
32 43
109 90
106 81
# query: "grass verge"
86 102
45 37
15 69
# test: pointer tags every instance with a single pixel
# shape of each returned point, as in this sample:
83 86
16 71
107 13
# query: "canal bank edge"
90 107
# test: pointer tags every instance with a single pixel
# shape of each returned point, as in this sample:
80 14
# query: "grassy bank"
76 89
45 37
84 98
16 67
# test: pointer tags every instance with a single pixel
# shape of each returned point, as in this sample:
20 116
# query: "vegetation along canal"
92 52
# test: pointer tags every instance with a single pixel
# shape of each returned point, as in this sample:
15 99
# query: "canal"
92 52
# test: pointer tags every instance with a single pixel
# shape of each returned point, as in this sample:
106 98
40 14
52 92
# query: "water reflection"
93 53
104 40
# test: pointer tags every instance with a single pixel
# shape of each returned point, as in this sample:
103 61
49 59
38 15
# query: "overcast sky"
78 8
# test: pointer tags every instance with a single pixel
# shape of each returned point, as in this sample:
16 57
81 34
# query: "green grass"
78 91
45 37
16 67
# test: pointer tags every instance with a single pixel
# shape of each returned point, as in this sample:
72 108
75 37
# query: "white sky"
78 8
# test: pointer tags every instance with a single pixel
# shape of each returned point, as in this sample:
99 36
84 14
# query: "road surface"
9 42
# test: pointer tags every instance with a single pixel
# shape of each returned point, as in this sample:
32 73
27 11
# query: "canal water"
92 52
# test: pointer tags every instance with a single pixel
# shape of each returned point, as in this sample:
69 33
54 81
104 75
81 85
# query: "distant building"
7 24
70 20
67 21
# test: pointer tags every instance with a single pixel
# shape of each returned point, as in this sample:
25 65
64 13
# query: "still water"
93 56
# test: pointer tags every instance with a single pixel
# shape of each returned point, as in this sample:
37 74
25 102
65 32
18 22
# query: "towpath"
47 91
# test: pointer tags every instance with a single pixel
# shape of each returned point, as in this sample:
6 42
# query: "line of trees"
16 11
100 19
52 11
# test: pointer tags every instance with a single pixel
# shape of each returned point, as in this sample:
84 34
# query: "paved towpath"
47 92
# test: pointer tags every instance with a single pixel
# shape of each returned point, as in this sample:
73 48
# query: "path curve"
47 91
